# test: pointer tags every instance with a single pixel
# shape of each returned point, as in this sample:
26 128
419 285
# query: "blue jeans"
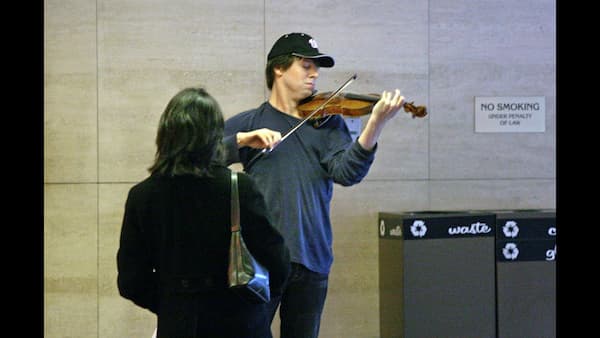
301 303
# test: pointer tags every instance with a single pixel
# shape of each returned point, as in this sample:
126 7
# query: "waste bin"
437 274
526 273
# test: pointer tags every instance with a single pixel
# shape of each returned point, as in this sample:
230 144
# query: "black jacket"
173 254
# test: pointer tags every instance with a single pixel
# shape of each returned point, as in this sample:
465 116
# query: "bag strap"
235 203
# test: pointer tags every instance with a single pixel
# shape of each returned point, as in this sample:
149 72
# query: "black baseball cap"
302 45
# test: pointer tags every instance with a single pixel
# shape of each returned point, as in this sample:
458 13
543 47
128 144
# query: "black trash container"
437 274
526 273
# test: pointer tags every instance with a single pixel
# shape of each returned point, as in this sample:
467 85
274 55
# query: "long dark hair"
189 137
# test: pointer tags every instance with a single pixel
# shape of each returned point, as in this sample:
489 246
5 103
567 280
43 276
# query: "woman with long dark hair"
173 252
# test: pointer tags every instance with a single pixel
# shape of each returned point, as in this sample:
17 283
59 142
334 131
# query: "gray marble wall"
112 65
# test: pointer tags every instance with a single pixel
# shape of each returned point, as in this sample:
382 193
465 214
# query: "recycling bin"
526 273
437 274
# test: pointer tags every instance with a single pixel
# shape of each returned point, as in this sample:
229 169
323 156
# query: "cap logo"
313 43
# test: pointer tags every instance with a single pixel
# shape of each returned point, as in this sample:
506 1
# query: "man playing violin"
297 177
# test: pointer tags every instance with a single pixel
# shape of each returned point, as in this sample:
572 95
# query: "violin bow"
308 117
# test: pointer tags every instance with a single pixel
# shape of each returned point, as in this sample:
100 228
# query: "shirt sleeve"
136 280
234 125
232 154
346 161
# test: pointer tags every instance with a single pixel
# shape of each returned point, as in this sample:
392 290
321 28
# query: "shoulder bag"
246 276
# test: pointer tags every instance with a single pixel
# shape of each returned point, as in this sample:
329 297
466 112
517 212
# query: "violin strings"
331 97
291 131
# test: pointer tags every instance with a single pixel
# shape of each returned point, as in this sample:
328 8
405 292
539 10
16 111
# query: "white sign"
518 114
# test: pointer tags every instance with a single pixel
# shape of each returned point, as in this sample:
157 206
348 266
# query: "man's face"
300 78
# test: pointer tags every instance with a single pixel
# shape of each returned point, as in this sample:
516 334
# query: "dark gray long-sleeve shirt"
297 177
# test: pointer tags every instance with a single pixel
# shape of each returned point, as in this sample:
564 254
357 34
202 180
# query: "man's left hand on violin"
388 106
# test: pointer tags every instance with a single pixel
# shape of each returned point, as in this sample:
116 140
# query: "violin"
348 104
320 107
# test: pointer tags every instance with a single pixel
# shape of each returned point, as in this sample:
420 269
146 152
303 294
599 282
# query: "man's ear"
278 71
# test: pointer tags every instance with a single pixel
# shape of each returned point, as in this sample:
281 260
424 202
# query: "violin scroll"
416 111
